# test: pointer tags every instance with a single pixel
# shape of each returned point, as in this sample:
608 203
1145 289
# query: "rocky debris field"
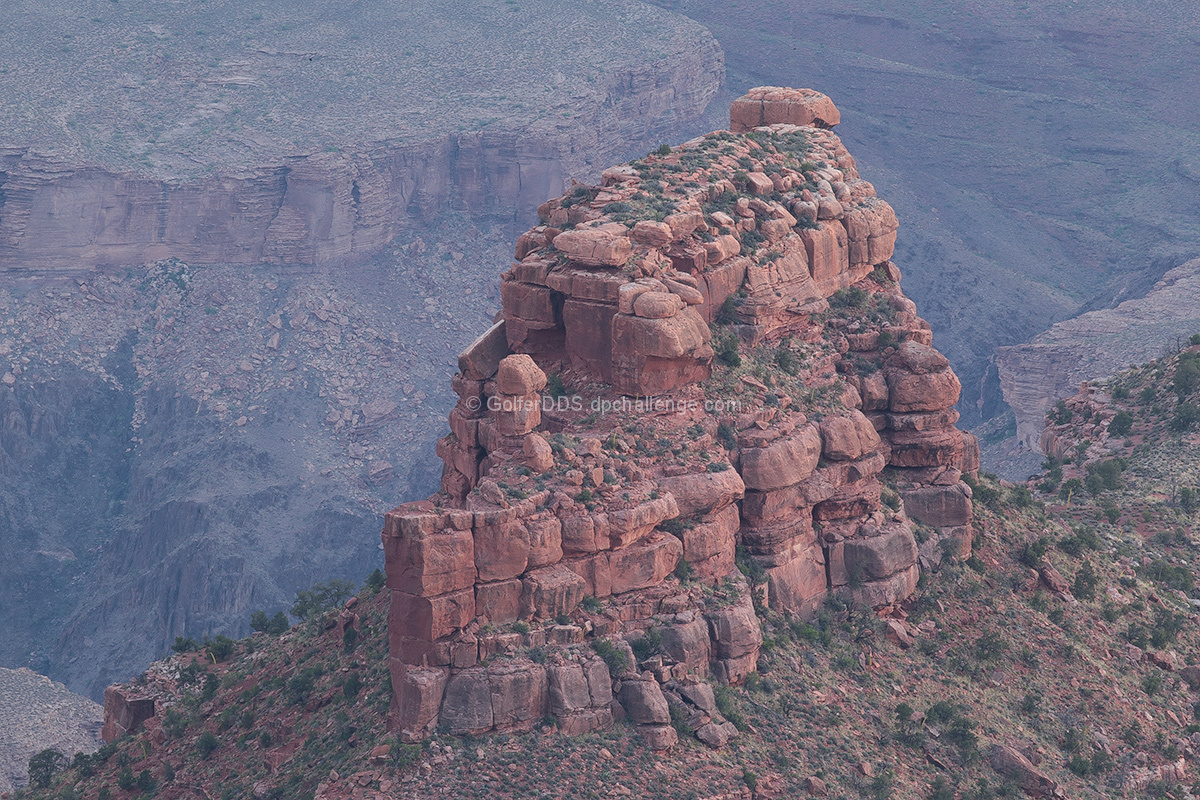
36 714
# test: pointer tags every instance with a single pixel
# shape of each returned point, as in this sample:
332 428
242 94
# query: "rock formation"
1034 376
705 353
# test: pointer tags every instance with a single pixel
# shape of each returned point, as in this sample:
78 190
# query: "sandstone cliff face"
1036 375
707 351
347 179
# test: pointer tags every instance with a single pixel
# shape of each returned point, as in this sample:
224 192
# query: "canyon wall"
327 207
704 367
1036 375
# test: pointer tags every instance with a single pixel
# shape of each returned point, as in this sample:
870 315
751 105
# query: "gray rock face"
35 714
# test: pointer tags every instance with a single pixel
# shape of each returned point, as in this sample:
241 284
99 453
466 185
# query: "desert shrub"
352 685
375 581
726 348
185 644
1060 414
613 656
647 645
1173 576
1032 553
1086 579
301 685
206 745
321 598
1187 377
849 298
220 648
43 766
1186 415
1120 424
1104 475
273 625
786 360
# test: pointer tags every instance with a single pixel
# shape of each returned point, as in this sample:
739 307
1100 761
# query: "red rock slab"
771 105
644 564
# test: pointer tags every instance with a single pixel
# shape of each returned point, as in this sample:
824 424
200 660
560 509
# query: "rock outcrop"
708 350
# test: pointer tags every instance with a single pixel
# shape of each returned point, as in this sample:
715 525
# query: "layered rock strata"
704 362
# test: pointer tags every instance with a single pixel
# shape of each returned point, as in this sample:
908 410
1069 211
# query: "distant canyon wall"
1036 375
327 207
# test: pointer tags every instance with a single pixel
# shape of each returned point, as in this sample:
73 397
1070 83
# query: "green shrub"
321 598
613 656
206 745
43 766
145 781
647 645
375 581
220 648
352 686
185 645
1120 424
726 348
1086 580
273 626
1186 415
125 779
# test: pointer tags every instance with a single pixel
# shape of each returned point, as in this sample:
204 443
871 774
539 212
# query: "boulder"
652 234
594 247
537 453
599 682
501 550
735 630
699 493
429 618
124 712
1010 763
545 540
644 702
847 437
716 735
688 643
568 689
799 585
416 700
429 563
519 695
482 357
783 462
712 535
519 375
878 556
770 105
932 391
657 305
658 737
645 563
938 506
628 525
467 708
499 602
551 591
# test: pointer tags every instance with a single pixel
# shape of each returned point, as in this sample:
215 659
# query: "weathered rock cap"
771 105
